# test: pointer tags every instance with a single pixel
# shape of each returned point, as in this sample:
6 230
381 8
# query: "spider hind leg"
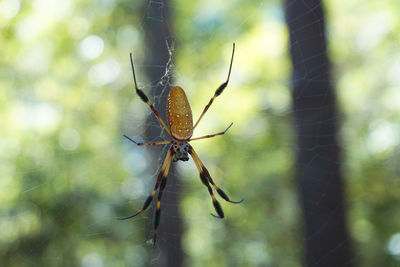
204 173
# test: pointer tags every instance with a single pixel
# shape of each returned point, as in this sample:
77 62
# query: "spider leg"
204 180
219 90
146 99
148 144
211 135
163 172
158 209
205 173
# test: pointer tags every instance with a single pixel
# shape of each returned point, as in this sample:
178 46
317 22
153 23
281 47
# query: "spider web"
188 171
57 194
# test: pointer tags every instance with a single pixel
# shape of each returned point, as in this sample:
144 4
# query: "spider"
181 129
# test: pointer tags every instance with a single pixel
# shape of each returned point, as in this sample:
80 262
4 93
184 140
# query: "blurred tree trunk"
318 162
170 228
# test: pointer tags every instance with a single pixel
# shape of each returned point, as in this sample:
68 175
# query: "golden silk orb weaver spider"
179 115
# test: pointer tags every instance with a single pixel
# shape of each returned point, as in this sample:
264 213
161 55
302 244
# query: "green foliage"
65 101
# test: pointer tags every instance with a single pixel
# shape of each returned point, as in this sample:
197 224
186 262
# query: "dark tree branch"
318 162
171 228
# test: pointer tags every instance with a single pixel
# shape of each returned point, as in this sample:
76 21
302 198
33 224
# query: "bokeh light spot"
384 135
92 260
104 73
91 47
393 246
69 139
9 8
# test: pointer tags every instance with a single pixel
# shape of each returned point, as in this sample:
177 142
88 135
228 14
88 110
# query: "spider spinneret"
180 121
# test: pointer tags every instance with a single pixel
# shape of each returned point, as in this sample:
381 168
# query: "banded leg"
205 172
211 135
158 209
219 90
166 164
204 180
146 99
148 144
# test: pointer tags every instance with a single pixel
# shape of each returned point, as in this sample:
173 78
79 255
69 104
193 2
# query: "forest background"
67 97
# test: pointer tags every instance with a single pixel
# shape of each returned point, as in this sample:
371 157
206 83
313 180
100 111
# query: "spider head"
181 150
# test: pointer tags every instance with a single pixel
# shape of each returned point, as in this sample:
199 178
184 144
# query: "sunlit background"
66 98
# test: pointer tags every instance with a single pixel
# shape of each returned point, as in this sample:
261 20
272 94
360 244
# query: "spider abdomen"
179 114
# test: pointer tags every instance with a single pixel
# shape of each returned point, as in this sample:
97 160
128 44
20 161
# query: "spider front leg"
146 99
219 90
204 172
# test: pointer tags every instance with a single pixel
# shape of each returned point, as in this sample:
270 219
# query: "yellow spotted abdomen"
179 114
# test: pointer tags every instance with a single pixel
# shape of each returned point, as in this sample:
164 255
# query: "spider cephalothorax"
180 122
181 150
